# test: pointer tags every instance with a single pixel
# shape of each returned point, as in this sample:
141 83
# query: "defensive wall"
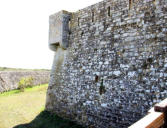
110 63
9 79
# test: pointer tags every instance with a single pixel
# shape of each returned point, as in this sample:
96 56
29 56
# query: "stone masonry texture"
115 66
9 79
59 30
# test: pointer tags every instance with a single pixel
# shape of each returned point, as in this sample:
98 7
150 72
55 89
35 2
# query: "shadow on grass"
47 120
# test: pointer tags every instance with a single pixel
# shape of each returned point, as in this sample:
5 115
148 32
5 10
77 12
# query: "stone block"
59 30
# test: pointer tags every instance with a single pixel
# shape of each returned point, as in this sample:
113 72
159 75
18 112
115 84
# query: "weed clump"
25 82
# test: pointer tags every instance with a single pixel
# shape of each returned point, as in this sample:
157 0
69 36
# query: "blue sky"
24 30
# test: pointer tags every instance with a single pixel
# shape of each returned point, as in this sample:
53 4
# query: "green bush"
25 82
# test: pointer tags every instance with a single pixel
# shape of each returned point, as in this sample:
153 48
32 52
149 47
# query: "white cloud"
24 30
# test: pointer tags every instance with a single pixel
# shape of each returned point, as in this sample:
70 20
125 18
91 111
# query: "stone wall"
115 67
9 79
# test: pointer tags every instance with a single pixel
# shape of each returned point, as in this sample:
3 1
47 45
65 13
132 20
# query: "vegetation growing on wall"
25 82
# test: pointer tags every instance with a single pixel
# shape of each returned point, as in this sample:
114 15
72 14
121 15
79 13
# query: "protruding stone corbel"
59 30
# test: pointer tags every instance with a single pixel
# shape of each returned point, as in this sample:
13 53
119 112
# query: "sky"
24 31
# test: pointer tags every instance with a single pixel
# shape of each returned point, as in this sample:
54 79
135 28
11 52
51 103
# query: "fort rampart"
9 79
110 63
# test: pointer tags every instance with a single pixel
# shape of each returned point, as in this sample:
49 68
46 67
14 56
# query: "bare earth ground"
22 107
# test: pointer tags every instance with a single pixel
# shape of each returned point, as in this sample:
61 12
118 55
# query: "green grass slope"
27 108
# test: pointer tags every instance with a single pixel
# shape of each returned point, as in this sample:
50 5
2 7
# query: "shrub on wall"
25 82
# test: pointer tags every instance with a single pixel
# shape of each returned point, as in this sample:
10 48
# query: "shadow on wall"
47 120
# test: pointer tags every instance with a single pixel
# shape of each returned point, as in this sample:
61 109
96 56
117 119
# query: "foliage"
25 82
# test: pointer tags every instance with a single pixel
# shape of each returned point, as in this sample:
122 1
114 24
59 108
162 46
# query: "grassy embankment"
27 108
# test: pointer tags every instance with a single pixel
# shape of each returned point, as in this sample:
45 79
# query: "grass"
21 107
28 89
47 120
26 110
